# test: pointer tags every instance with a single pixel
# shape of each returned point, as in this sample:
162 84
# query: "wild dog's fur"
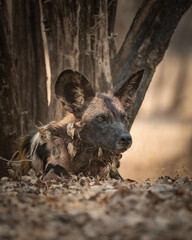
91 138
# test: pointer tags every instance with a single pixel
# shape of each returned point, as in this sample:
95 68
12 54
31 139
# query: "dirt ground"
85 208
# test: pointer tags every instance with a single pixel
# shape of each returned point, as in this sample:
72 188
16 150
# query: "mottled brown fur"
86 159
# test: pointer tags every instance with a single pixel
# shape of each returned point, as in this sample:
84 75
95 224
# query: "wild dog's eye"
101 118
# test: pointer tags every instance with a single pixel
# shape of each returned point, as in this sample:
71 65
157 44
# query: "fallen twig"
22 160
14 155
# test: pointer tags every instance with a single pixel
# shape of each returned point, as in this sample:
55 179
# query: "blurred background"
162 131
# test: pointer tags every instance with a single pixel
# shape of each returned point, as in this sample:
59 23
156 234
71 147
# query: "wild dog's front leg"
114 173
58 163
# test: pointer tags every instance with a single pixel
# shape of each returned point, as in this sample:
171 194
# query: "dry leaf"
44 135
80 208
71 150
100 152
78 124
70 130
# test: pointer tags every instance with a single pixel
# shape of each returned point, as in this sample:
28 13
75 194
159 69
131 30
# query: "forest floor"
85 208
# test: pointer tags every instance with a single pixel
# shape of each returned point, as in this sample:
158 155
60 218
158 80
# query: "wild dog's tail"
32 149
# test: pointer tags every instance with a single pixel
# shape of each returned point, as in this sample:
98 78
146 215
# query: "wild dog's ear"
73 90
126 91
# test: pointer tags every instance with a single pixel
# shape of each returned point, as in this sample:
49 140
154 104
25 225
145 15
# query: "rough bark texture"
29 62
77 35
146 43
9 116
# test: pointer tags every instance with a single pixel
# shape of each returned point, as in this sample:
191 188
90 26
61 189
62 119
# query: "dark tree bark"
146 43
28 54
8 112
23 93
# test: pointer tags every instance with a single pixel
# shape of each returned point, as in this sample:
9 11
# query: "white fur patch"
37 163
34 143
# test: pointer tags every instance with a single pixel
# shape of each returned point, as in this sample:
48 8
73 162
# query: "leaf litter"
87 208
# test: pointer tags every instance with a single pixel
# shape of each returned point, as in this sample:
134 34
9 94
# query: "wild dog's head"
103 116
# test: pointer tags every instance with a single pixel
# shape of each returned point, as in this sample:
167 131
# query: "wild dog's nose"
126 139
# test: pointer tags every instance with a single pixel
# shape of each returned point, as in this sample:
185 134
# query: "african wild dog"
91 137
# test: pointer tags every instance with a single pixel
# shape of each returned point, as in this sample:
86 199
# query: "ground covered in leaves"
84 208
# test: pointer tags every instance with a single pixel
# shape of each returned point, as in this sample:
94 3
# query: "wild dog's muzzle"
125 140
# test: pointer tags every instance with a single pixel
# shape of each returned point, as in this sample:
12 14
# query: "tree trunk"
29 62
23 92
146 43
9 115
77 36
